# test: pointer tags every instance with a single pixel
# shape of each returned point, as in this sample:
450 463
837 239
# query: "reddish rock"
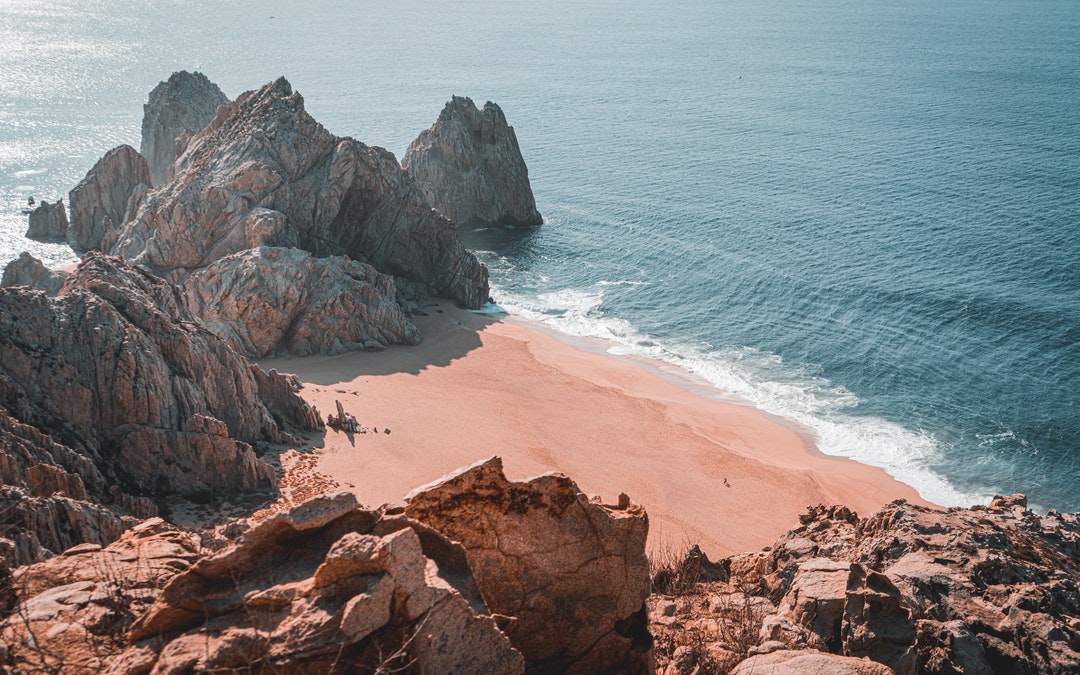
178 107
103 199
26 270
48 222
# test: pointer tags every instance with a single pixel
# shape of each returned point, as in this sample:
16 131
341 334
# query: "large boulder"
269 301
101 201
26 270
179 106
133 393
48 222
571 572
470 168
263 172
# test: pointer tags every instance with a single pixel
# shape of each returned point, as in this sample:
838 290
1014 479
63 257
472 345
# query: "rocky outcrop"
269 301
26 270
324 587
48 222
132 393
102 200
179 106
469 166
981 590
263 172
572 573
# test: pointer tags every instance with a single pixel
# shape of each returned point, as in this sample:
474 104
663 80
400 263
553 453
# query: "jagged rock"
48 222
102 200
268 301
179 106
469 166
114 370
264 172
26 270
572 573
808 662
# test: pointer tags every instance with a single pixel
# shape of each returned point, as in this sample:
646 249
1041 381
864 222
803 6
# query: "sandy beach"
722 475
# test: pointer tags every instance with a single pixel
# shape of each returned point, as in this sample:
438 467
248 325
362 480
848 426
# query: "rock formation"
48 222
116 390
179 106
269 301
469 166
264 172
547 556
102 200
981 590
26 270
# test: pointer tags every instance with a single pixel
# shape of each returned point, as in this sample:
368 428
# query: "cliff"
263 172
178 107
101 201
470 168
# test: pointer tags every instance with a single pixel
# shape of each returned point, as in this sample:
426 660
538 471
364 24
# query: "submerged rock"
26 270
470 168
179 106
269 301
48 222
102 200
263 172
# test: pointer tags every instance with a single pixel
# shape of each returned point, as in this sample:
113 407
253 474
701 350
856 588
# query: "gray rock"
263 172
48 222
469 166
26 270
268 300
101 201
179 106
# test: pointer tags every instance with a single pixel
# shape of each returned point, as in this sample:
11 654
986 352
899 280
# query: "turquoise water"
864 216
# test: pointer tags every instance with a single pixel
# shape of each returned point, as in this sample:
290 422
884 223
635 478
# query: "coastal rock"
269 301
470 168
48 222
179 106
572 573
263 172
114 370
26 270
101 201
808 662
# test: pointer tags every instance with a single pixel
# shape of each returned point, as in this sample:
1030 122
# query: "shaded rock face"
101 201
982 590
572 573
469 167
263 172
132 392
269 301
325 587
26 270
48 222
179 106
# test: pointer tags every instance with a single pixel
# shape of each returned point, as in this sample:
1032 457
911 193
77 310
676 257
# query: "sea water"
859 215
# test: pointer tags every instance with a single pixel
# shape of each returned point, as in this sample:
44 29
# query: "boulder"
469 167
26 270
572 573
101 201
179 106
132 394
808 662
269 301
48 222
263 172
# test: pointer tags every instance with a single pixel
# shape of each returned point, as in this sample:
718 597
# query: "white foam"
761 379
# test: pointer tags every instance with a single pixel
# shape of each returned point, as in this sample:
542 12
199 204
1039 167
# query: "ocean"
860 216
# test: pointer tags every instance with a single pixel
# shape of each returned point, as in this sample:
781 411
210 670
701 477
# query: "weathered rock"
132 392
48 222
326 587
469 167
572 573
808 662
268 301
26 270
101 202
263 172
179 106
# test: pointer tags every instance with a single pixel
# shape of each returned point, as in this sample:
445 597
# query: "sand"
718 474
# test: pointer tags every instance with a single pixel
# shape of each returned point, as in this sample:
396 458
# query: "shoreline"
717 473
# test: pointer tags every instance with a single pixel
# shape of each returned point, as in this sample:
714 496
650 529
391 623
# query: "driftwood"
343 421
